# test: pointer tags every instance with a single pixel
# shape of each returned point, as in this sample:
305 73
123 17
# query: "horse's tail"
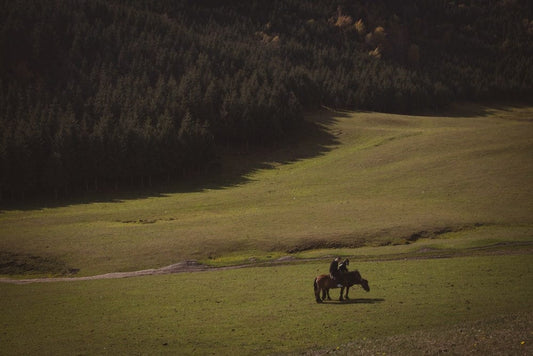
317 291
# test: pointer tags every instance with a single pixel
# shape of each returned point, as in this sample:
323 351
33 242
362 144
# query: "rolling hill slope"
364 178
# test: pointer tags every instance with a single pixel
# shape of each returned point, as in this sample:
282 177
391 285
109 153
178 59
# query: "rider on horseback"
334 270
343 266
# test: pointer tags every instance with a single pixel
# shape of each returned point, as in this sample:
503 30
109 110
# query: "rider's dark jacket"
334 269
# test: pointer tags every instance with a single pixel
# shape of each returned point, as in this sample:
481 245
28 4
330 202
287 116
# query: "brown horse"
347 279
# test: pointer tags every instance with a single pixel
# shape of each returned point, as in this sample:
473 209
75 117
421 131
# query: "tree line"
100 94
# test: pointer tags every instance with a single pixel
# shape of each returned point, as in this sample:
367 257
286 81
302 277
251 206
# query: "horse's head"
364 284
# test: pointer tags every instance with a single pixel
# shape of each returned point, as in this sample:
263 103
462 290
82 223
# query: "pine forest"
122 94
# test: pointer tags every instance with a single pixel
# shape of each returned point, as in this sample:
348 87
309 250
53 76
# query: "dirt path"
195 266
180 267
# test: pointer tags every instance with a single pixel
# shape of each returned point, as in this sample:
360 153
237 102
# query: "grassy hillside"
385 182
360 178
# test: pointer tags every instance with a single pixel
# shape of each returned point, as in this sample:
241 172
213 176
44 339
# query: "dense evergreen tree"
104 94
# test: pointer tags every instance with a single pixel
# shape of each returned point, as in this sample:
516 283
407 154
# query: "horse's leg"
332 285
346 294
342 291
329 298
318 300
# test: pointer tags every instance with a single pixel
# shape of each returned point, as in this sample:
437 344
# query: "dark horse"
347 279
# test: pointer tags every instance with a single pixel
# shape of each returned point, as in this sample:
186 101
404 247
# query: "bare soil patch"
23 263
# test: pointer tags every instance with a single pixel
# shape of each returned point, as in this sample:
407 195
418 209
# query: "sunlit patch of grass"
451 243
242 258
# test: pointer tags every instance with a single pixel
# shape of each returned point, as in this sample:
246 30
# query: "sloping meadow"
379 179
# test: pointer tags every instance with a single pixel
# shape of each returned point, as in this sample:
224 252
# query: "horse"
347 279
343 267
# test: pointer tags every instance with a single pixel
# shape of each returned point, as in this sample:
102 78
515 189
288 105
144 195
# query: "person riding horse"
323 283
336 270
343 266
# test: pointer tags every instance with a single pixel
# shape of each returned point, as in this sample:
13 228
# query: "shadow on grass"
356 301
233 167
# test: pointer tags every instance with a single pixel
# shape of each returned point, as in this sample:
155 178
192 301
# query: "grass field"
272 310
395 193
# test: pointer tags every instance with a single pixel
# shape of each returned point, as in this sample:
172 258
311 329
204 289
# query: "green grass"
272 310
358 179
386 190
498 335
465 241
